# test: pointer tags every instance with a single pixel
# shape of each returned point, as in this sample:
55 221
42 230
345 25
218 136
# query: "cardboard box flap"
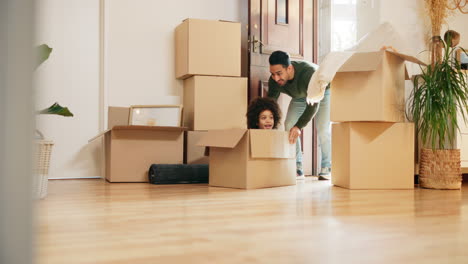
406 74
271 144
98 135
154 128
407 58
224 138
362 61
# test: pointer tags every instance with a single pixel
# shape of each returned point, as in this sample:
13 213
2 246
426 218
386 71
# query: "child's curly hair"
257 106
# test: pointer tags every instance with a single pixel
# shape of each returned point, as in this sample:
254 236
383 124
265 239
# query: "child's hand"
293 134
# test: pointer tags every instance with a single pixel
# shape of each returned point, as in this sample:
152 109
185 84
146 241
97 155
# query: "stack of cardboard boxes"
373 146
208 59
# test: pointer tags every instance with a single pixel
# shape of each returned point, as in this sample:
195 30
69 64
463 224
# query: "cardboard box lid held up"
207 47
370 61
370 86
249 159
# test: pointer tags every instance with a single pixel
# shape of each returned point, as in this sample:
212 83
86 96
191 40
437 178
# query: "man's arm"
310 111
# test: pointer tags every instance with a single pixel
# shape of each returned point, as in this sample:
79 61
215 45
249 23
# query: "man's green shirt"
297 88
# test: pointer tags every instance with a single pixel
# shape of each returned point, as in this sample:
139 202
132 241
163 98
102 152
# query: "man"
292 78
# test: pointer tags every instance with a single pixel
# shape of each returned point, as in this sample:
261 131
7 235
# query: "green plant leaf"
42 52
56 109
438 95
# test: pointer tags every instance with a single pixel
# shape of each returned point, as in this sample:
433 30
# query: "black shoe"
300 175
323 178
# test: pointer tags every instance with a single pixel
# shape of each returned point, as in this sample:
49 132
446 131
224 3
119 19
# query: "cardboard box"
249 159
370 86
117 116
213 102
207 47
373 155
194 154
145 115
130 150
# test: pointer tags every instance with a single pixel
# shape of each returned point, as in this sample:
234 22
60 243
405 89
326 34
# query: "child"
452 39
263 113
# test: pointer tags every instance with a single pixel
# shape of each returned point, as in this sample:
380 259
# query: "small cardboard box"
130 150
213 102
370 86
373 155
250 159
207 47
194 154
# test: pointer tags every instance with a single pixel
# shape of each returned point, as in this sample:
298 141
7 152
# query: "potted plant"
437 103
44 147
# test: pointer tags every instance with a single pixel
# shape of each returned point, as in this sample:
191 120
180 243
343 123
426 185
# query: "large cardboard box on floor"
194 154
213 102
249 159
373 155
207 47
130 150
370 86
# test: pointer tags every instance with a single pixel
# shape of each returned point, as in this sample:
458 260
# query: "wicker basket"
41 170
440 169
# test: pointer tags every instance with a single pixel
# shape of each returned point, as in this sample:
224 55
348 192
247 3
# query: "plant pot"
440 169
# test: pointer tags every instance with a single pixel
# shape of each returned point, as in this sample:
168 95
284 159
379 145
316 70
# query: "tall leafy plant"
43 53
439 94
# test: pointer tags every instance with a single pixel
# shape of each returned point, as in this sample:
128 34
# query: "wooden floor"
92 221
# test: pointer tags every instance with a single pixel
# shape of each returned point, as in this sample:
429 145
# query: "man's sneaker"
300 175
324 174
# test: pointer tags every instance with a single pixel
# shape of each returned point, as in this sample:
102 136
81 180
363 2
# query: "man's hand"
293 134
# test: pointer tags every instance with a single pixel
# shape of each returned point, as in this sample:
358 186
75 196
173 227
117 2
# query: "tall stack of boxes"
373 146
208 59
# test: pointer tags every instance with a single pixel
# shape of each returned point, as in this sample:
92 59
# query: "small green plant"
439 94
43 52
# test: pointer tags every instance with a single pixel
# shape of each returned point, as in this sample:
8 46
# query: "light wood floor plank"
92 221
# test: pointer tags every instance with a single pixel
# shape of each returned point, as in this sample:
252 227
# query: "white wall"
71 77
459 23
138 66
139 46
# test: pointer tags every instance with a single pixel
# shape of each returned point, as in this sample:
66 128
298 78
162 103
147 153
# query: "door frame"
245 68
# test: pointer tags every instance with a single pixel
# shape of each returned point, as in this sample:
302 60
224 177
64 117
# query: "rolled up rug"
178 173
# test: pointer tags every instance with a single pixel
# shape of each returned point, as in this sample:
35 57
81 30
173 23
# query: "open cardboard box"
250 158
129 151
370 86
